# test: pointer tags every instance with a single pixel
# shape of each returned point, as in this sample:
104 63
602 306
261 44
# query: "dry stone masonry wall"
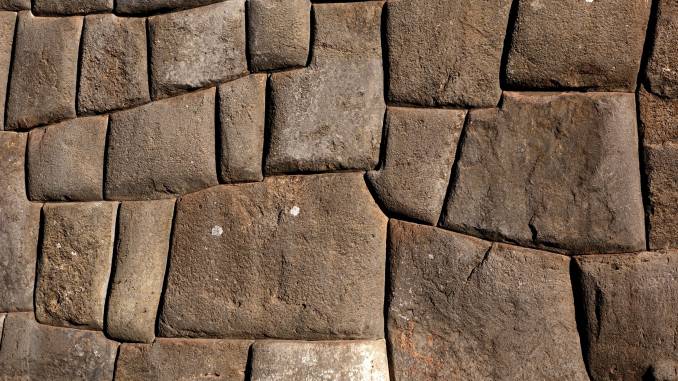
269 190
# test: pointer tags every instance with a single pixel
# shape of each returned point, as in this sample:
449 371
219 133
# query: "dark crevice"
383 145
268 124
149 60
111 274
508 42
248 364
38 259
218 137
107 142
454 175
385 50
314 31
163 292
648 46
10 71
388 292
248 54
116 363
580 313
78 74
644 181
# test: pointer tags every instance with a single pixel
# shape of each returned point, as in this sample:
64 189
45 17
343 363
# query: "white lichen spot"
589 1
73 253
217 231
430 256
295 211
58 245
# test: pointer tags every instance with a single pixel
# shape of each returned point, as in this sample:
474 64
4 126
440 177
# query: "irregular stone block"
7 23
262 259
113 71
559 44
658 118
44 73
15 5
462 308
355 360
445 52
279 33
197 48
419 155
140 261
661 169
61 7
662 67
75 264
557 171
145 6
66 160
162 149
329 116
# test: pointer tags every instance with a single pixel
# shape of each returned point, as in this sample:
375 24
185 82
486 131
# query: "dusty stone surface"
558 44
71 7
658 118
145 6
419 154
329 116
75 264
139 270
15 5
262 259
197 47
557 171
44 73
661 169
445 53
7 23
665 370
355 360
463 308
162 149
662 68
66 160
113 71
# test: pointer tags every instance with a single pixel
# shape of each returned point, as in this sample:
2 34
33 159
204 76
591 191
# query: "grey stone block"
146 6
15 5
661 170
71 7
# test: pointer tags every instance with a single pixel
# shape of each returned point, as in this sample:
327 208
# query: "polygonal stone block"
15 5
71 7
662 67
658 118
145 6
7 23
661 170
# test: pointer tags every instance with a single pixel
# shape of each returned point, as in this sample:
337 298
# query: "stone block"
71 7
658 118
662 68
665 370
146 6
661 170
462 308
15 5
7 23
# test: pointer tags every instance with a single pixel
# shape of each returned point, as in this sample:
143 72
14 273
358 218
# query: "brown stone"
71 7
662 67
7 23
15 5
466 309
661 169
658 118
299 257
665 370
145 6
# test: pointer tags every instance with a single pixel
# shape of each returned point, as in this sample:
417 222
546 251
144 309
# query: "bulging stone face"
661 168
72 7
7 23
145 6
662 67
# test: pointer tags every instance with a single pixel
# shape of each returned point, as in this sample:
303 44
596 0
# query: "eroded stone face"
7 23
658 118
662 67
661 168
145 6
62 7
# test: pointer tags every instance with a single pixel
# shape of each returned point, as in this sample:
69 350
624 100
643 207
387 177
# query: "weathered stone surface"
279 33
658 118
162 149
356 360
31 351
559 44
190 360
75 264
113 71
7 23
66 160
661 168
71 7
629 303
466 309
664 370
197 48
145 6
662 67
419 155
443 52
557 171
329 116
19 227
263 260
140 261
15 5
44 73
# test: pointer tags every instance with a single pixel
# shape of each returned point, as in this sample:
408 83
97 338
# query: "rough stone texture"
71 7
19 227
665 370
31 351
419 155
661 168
263 260
557 171
445 52
66 160
279 33
462 308
15 5
658 118
629 303
162 149
559 44
329 116
44 72
7 23
139 271
75 264
113 70
189 360
145 6
197 48
662 67
357 360
2 322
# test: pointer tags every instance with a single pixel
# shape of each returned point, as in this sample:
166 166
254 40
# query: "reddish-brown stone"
662 67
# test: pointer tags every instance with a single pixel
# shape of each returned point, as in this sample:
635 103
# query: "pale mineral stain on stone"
295 211
217 231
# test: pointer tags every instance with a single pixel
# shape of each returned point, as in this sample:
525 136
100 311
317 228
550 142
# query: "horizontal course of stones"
295 190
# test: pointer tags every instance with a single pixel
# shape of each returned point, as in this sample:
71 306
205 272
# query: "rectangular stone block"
15 5
661 73
7 23
146 6
661 171
71 7
658 118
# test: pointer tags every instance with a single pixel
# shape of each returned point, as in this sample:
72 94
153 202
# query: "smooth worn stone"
662 67
15 5
355 360
140 261
577 44
559 171
71 7
113 73
661 170
189 360
445 52
7 23
466 309
66 160
416 171
31 351
298 257
329 116
162 149
197 48
146 6
19 227
44 73
75 264
279 33
628 312
658 118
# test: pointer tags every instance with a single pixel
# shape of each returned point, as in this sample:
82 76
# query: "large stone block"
145 6
15 5
71 7
7 23
291 257
466 309
658 118
662 67
661 169
557 171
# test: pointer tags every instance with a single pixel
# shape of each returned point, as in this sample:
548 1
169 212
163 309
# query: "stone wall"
286 190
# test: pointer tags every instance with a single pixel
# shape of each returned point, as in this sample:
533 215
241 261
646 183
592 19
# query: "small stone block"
661 170
71 7
146 6
15 5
